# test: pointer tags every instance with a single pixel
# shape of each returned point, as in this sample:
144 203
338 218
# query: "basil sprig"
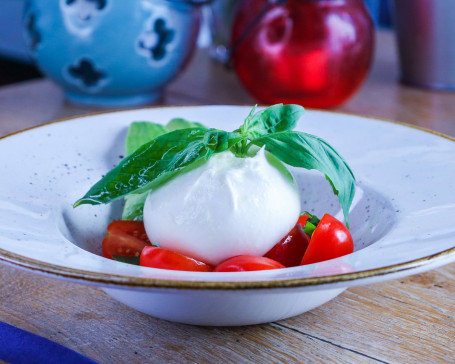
158 161
172 153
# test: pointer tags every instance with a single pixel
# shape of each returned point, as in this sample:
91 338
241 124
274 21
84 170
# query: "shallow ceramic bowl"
401 218
110 52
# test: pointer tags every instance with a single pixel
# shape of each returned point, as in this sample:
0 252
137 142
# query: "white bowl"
401 218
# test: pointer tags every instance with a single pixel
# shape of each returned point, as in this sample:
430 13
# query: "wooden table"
407 320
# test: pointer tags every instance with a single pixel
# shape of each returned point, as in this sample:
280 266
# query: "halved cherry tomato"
290 250
167 259
244 263
331 239
125 238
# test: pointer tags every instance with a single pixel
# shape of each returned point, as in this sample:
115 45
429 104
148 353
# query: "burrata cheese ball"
228 206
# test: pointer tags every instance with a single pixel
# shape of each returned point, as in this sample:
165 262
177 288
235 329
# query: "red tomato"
312 53
167 259
289 251
302 220
330 240
244 263
125 238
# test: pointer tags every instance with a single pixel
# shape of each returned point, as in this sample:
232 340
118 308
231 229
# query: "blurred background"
17 65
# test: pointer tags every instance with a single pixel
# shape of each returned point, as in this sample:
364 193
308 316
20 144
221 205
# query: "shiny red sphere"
315 53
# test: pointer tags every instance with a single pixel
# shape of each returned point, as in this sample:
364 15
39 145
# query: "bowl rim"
104 279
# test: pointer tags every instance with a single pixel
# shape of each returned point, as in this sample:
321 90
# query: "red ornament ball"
315 53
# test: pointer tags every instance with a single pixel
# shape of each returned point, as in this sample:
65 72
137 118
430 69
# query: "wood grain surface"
408 320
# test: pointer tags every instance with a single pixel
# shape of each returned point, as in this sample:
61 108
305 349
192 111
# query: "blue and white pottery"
111 52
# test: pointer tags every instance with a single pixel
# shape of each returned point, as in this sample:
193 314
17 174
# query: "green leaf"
158 161
276 118
308 151
250 121
179 123
134 206
128 260
134 202
141 132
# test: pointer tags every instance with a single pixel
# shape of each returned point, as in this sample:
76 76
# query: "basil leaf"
250 120
275 119
308 151
156 162
134 206
141 132
128 260
179 123
134 202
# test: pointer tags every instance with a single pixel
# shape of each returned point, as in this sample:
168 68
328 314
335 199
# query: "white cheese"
229 206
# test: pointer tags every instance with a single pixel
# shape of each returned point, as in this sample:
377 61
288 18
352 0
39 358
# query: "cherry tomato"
124 238
167 259
303 219
244 263
289 251
313 53
331 239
